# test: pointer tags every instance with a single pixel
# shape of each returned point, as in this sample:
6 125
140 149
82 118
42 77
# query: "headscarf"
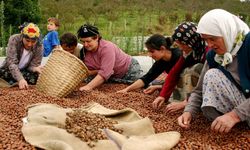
186 34
87 30
30 30
218 22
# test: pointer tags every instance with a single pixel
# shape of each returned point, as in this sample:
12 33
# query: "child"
51 40
69 43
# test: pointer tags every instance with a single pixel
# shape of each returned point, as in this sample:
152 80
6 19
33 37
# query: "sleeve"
243 110
12 60
195 99
107 62
54 39
172 79
157 68
37 58
78 50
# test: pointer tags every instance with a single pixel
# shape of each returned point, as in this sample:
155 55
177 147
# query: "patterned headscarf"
30 30
219 22
186 34
87 30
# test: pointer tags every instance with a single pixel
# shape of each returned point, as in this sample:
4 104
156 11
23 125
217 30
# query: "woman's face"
186 49
155 54
216 43
90 43
29 43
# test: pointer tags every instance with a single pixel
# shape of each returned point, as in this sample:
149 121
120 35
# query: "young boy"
69 43
51 39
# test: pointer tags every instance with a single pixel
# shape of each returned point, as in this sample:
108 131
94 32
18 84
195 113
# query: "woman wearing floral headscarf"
194 52
24 56
223 90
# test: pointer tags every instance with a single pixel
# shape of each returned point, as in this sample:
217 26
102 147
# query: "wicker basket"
62 74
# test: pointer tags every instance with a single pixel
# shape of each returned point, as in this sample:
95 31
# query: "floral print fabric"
186 34
219 92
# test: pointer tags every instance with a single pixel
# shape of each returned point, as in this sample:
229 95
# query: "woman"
105 60
159 49
24 56
194 52
222 93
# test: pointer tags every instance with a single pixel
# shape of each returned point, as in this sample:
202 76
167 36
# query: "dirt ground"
13 104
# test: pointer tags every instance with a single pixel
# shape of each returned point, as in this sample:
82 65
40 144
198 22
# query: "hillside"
133 17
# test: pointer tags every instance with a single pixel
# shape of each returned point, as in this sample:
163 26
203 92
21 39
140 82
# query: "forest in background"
126 22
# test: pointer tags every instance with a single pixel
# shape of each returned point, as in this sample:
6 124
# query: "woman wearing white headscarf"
223 89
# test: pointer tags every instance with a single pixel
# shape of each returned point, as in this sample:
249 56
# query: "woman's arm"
12 57
158 67
195 99
169 84
92 72
136 85
36 59
172 79
97 81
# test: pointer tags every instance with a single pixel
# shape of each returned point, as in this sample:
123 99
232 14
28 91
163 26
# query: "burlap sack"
44 124
161 141
5 84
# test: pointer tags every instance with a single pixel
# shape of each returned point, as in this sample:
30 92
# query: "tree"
2 37
20 11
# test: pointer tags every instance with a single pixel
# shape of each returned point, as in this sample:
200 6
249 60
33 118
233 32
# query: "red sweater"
172 79
173 76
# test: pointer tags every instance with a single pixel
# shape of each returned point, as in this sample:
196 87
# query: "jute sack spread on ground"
5 84
44 128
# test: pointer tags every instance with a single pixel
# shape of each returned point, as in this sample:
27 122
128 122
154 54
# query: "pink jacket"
109 60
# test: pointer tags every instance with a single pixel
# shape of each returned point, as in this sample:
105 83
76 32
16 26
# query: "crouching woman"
24 56
223 90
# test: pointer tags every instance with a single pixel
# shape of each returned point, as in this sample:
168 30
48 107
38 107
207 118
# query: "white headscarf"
218 22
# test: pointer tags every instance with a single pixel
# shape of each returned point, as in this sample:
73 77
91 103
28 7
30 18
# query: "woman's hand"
175 106
184 120
151 89
123 91
158 102
38 69
85 88
224 123
23 84
92 72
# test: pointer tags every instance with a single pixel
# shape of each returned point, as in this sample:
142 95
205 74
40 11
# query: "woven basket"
62 74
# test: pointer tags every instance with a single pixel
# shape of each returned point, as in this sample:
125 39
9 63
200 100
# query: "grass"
129 20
